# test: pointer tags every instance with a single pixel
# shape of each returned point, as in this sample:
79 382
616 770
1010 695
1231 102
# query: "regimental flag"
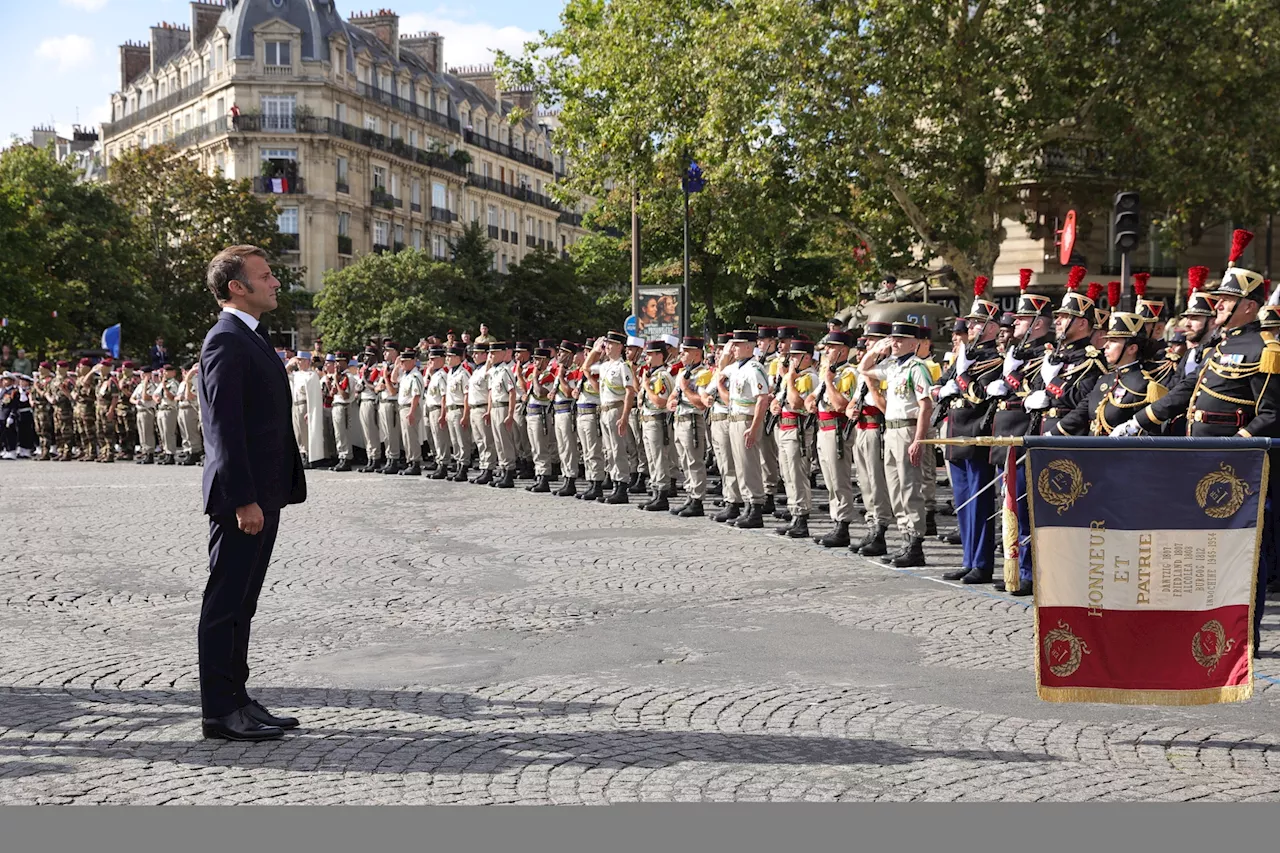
1146 556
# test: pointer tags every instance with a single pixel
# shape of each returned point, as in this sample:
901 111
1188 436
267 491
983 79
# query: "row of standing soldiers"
101 412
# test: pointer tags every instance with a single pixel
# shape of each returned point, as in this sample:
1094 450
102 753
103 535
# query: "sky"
61 58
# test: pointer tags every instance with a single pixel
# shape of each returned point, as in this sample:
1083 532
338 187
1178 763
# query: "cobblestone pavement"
447 643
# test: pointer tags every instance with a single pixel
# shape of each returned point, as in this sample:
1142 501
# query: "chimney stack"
166 40
204 17
384 24
135 60
480 76
429 46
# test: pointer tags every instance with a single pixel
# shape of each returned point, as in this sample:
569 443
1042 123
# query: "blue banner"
111 340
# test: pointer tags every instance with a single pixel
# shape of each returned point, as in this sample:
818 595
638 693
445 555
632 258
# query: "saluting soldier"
568 360
521 367
502 412
367 387
747 387
865 413
388 388
539 414
963 396
345 398
126 412
617 397
798 382
829 403
655 392
690 426
83 399
106 394
62 397
409 400
166 399
434 409
189 416
584 384
42 407
639 479
457 389
144 401
772 357
718 405
477 414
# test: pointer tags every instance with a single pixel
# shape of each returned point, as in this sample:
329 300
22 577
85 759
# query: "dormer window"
277 53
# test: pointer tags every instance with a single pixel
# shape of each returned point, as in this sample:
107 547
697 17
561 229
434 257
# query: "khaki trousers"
520 431
929 468
147 430
836 473
342 429
868 457
482 433
657 441
769 456
369 426
441 437
567 444
691 447
540 433
729 488
459 438
904 481
409 435
168 420
633 443
748 463
504 437
389 421
617 461
793 466
189 423
592 446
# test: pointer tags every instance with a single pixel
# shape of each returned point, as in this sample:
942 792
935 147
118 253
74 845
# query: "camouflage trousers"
86 431
64 429
127 430
45 434
105 425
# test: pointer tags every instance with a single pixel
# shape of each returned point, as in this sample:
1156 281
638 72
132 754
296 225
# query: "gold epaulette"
1092 351
1154 389
1270 358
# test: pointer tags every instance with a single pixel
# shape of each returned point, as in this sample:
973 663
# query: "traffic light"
1127 221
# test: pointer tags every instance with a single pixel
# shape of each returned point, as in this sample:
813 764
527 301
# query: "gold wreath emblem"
1061 484
1064 659
1221 493
1209 644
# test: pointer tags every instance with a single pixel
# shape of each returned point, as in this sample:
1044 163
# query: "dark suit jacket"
159 357
245 410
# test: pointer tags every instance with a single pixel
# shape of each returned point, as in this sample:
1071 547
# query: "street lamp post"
692 182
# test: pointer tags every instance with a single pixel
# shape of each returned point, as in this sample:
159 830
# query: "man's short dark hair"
228 266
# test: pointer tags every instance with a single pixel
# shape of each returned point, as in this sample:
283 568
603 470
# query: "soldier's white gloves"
951 389
1037 400
1049 370
1011 362
1129 427
963 361
997 389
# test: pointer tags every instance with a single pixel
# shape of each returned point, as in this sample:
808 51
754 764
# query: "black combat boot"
608 483
799 527
459 476
570 487
786 528
676 510
837 538
374 464
770 505
888 559
484 478
343 465
753 519
542 486
639 484
693 509
913 556
508 479
413 469
930 523
620 495
873 544
729 513
660 502
393 466
593 492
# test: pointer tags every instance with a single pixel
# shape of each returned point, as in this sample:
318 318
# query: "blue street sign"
632 326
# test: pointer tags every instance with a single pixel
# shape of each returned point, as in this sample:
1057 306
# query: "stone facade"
365 139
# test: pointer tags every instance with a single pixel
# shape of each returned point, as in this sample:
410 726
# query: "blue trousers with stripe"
977 527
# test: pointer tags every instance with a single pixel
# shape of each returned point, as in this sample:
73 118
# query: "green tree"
183 217
546 297
472 253
67 259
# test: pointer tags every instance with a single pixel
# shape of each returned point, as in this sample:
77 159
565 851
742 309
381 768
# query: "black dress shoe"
954 575
977 576
239 725
256 710
1023 590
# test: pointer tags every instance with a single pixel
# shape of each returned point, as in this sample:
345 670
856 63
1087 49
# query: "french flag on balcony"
279 185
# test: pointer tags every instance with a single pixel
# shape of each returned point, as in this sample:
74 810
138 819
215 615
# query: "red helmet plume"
1240 240
1140 280
1196 277
1024 279
979 286
1075 276
1094 291
1113 294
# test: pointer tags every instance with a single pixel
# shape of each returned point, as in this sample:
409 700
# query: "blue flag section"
111 340
1146 555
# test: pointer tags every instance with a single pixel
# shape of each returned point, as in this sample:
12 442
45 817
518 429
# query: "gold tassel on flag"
1009 522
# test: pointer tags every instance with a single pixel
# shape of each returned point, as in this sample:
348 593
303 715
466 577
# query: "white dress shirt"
249 319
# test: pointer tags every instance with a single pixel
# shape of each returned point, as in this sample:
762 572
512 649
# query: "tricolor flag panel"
1145 554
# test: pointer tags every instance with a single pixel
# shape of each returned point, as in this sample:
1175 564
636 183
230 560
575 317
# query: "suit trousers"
459 438
592 446
793 467
836 473
691 447
748 462
567 444
504 436
168 420
541 437
617 461
389 421
342 429
237 568
868 457
369 426
977 527
904 481
657 437
729 489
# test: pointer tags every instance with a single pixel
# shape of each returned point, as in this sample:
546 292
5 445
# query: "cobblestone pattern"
100 584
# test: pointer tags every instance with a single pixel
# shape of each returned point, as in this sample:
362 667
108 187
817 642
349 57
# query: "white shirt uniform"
747 383
457 380
433 395
306 389
615 379
478 387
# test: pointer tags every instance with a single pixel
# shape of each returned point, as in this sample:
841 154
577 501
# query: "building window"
395 185
277 53
220 161
287 221
380 228
372 123
395 130
340 112
416 193
475 211
417 238
342 170
504 262
413 138
380 177
277 112
399 236
344 224
439 246
493 216
438 198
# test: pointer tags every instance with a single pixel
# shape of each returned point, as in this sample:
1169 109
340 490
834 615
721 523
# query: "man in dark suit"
252 469
159 354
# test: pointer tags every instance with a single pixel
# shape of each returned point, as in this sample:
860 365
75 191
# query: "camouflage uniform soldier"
42 406
62 396
106 391
83 399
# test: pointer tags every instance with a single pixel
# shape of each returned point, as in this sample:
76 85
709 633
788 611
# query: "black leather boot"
508 478
485 478
693 509
729 513
620 495
799 527
837 538
639 484
888 559
343 465
608 483
660 503
412 470
570 487
930 523
873 544
753 519
460 476
593 492
770 505
442 472
914 555
542 486
372 465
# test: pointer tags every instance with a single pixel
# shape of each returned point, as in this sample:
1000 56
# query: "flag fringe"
1118 696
